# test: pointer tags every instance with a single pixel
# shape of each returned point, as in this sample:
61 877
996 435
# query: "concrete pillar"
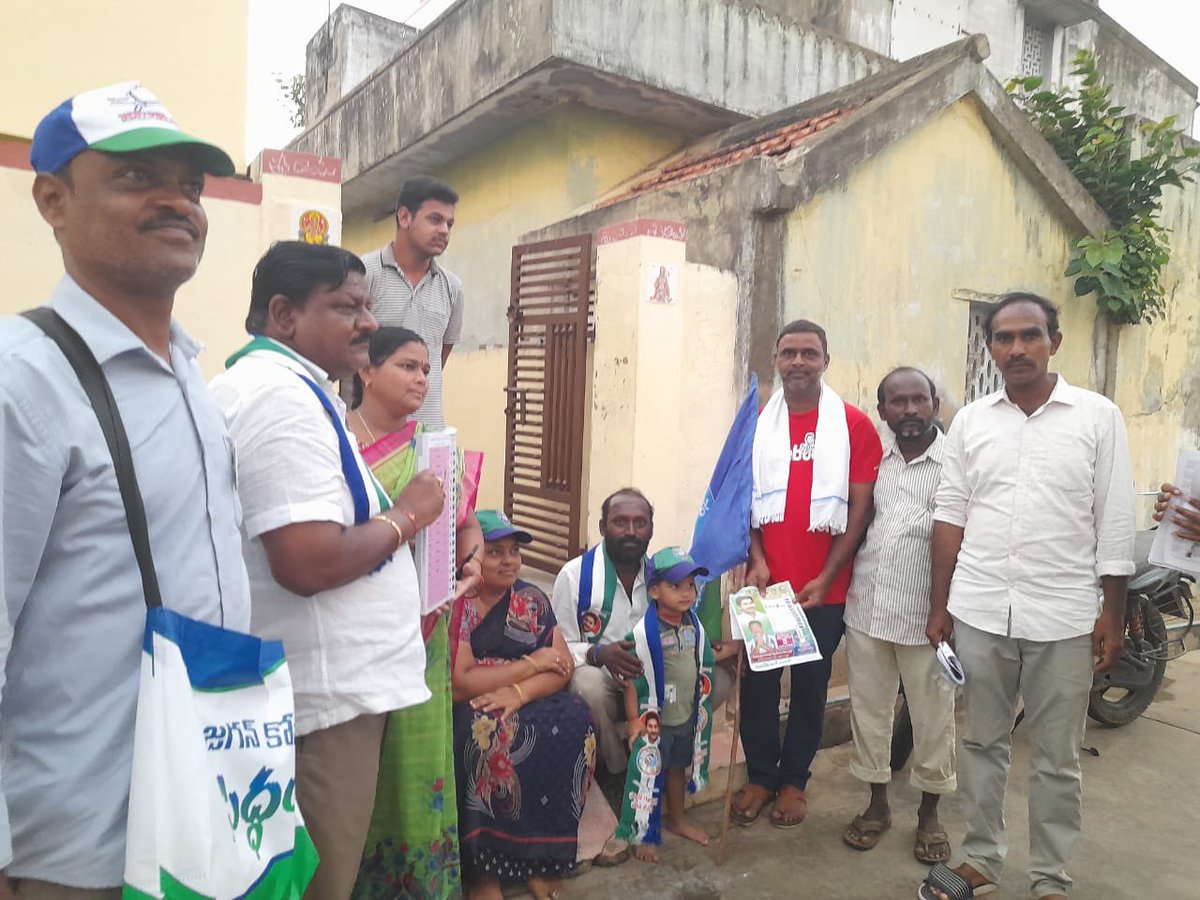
663 387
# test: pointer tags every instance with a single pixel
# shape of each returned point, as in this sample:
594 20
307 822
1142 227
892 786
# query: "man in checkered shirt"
411 289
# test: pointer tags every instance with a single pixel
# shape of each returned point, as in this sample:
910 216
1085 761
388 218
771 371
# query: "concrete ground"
1141 827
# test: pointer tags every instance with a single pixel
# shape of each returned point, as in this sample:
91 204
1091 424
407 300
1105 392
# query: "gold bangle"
395 526
537 670
520 693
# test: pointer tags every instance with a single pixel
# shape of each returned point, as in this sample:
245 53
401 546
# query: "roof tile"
777 142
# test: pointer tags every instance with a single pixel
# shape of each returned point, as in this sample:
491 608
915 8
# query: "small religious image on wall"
313 227
662 284
316 225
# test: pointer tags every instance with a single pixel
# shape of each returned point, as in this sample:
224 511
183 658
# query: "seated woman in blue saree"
524 748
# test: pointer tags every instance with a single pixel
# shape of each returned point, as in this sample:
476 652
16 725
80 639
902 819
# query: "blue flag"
722 536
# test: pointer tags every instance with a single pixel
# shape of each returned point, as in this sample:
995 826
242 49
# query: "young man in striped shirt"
886 611
410 288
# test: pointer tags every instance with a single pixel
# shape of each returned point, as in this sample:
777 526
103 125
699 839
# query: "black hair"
629 491
385 341
905 370
803 326
1050 310
652 714
419 188
295 269
755 622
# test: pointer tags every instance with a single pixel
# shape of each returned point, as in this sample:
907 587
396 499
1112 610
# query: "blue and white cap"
120 118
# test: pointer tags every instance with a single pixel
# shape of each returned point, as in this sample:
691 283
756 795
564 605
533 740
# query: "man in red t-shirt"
817 564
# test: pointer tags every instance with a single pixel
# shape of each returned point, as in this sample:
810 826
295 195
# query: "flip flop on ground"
944 882
613 853
864 834
932 847
749 803
791 807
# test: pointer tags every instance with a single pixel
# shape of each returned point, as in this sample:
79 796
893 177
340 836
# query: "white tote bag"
212 807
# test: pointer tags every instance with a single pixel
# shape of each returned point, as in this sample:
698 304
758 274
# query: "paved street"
1142 826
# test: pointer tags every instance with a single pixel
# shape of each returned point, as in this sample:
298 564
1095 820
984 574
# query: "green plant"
293 95
1123 265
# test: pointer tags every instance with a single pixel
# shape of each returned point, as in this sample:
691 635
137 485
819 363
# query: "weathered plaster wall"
1158 375
196 65
1142 82
487 66
878 258
719 52
867 23
351 45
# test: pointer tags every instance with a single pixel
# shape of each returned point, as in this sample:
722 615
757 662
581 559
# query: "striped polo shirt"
433 309
889 594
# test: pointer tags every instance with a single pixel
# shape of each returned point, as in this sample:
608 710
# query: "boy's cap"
495 525
120 118
672 564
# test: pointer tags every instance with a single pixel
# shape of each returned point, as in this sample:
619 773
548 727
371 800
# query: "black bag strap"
95 385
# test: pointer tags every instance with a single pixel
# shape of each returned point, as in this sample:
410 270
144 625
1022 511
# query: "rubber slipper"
612 854
779 818
864 834
951 884
750 792
932 847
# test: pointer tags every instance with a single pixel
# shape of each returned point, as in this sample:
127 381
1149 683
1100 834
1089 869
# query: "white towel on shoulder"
772 462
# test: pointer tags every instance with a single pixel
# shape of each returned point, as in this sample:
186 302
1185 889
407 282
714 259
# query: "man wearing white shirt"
617 594
330 573
1032 549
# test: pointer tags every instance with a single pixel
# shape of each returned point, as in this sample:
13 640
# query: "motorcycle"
1123 692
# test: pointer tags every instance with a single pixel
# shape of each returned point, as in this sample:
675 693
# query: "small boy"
667 708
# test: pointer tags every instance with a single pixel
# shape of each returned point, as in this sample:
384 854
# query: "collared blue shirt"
73 613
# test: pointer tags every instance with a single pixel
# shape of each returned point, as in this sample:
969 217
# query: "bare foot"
686 828
545 888
646 852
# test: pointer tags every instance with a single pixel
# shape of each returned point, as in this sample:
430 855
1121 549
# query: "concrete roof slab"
487 65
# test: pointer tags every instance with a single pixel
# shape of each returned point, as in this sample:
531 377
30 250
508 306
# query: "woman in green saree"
412 846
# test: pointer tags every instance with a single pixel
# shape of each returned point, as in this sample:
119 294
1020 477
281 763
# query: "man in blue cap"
120 186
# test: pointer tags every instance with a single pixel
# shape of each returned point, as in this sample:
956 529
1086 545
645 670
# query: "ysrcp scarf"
597 587
641 808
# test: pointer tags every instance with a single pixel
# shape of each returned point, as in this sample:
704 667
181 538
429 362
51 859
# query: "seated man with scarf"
814 464
607 584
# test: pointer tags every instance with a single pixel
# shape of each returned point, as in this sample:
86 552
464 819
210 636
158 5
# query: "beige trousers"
336 769
1054 679
876 670
29 889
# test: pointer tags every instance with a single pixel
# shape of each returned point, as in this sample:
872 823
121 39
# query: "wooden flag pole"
737 722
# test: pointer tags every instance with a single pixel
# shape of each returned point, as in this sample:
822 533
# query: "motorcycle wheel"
1116 706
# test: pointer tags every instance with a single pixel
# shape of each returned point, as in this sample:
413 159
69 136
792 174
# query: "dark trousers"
767 762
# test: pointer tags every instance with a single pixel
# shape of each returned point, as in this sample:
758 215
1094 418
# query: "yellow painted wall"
877 258
474 402
212 306
193 58
552 166
1158 375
